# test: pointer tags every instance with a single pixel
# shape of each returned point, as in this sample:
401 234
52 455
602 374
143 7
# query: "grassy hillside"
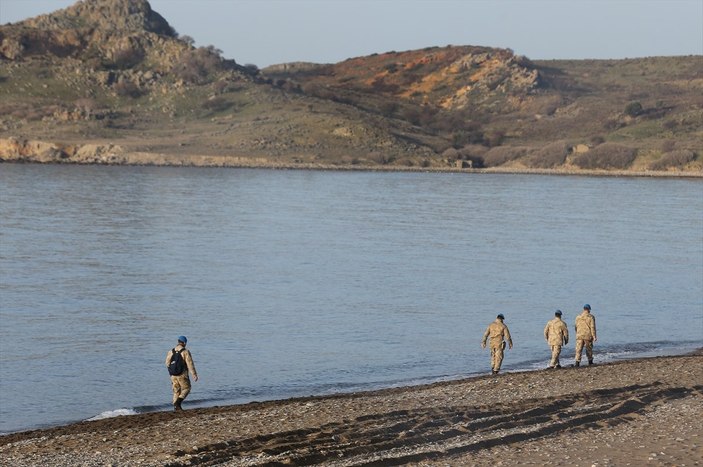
114 71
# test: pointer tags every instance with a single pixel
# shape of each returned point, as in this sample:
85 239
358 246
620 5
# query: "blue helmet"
557 313
182 339
587 306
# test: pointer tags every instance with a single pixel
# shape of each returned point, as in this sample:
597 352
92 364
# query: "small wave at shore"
113 413
603 355
612 353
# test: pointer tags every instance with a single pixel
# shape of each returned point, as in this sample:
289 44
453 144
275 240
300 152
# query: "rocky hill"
110 81
451 78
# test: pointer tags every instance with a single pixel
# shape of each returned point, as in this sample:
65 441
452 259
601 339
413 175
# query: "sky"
267 32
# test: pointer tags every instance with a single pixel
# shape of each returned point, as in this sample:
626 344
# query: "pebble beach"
638 412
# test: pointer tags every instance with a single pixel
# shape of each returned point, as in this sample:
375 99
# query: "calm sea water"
291 283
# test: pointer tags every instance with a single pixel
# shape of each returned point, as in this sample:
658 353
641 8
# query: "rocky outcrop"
112 41
452 78
13 149
122 15
115 33
485 75
34 151
23 150
17 42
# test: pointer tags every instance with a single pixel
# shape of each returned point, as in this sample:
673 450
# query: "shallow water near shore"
293 283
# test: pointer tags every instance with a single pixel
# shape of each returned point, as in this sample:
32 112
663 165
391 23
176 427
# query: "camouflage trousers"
497 357
556 351
588 345
181 386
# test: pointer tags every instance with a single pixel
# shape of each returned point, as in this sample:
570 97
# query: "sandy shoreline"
638 412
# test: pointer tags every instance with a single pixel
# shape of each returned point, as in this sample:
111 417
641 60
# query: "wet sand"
638 412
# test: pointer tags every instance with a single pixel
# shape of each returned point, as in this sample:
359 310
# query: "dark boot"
577 364
177 405
590 362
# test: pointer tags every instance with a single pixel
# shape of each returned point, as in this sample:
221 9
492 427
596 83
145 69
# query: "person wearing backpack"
180 364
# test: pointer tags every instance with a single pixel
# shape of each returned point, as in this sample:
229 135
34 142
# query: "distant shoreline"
161 160
16 150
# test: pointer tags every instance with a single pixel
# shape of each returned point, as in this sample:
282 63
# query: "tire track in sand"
409 436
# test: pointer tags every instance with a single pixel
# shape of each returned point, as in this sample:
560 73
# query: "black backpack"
177 365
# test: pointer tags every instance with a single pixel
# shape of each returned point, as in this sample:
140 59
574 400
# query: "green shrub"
188 40
670 124
668 145
606 156
673 159
220 86
463 138
197 66
380 85
126 88
388 109
473 150
473 153
503 154
493 138
424 116
613 124
252 67
596 140
450 154
549 156
408 78
128 56
381 158
633 109
448 122
411 115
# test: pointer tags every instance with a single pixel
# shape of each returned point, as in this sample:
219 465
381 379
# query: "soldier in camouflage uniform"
557 334
499 333
181 383
585 334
